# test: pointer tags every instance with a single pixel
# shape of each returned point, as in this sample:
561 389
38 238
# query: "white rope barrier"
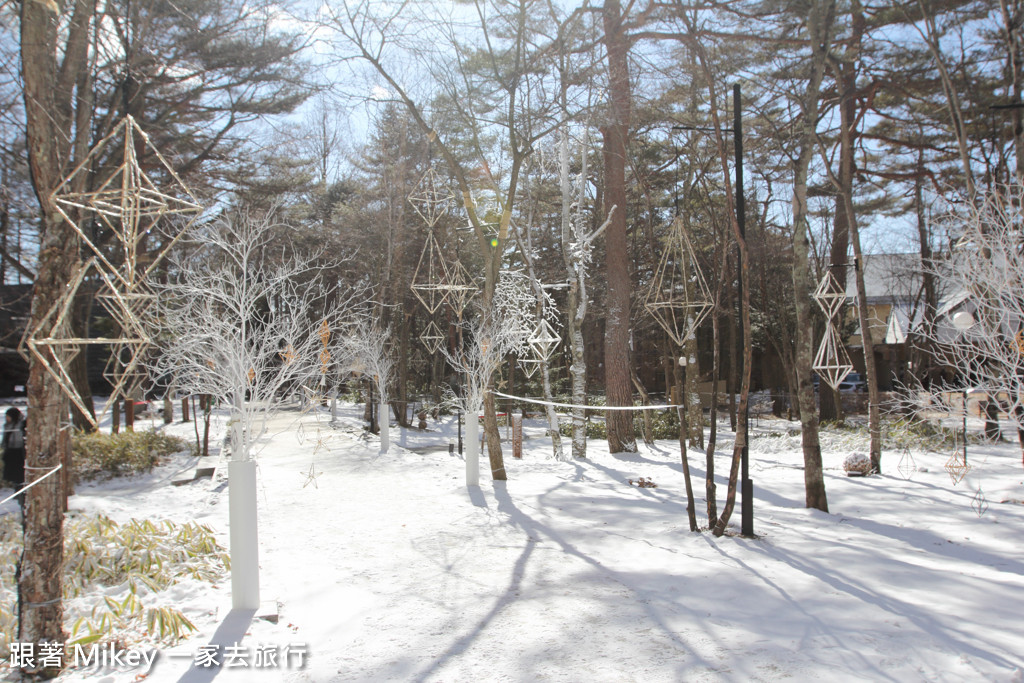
26 488
574 405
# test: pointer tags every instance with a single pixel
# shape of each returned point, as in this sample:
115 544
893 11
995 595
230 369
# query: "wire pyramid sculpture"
831 362
138 212
679 298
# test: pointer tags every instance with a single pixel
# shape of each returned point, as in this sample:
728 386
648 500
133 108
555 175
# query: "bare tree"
488 340
371 353
980 331
242 321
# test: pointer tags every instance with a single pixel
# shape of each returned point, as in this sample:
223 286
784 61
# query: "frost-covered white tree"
488 338
371 353
521 303
242 320
980 329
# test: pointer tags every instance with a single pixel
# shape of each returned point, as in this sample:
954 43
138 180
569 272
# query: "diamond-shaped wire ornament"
979 503
432 198
679 298
831 362
957 466
432 338
128 203
829 295
543 340
907 467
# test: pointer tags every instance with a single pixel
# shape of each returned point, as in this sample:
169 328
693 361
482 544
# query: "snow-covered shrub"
99 454
857 464
115 578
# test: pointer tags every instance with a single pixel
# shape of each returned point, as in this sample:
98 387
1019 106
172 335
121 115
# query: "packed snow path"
388 569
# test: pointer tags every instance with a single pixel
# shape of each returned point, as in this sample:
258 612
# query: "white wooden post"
383 418
242 519
245 565
472 448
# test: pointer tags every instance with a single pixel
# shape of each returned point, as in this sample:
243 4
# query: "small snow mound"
857 464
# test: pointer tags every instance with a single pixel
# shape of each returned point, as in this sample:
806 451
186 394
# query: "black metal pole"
459 411
747 485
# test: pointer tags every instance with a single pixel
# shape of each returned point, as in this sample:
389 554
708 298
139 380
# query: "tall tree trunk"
621 437
819 28
49 112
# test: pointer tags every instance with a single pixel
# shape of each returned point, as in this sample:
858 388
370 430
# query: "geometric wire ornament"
128 203
957 466
432 198
829 295
430 281
679 298
529 366
832 363
907 467
52 343
432 337
460 287
979 503
311 476
543 340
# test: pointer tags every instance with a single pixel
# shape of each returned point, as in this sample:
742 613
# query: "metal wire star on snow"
311 476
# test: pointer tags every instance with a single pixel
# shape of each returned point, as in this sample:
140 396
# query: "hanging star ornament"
432 337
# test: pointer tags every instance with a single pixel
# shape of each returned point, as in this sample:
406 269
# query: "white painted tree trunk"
383 420
472 448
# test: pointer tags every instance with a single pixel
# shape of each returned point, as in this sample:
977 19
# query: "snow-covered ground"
386 568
